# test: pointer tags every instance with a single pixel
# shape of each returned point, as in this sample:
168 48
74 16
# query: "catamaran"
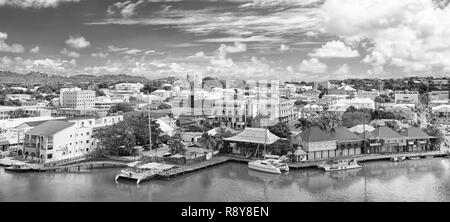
340 165
140 172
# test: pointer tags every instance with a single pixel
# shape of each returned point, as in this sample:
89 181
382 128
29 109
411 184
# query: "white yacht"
340 165
268 166
398 159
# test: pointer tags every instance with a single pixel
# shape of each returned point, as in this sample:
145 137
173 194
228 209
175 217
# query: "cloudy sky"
258 39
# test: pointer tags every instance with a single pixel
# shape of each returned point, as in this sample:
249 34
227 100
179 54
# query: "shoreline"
185 169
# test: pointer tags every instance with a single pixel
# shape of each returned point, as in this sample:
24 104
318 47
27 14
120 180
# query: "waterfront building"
384 140
417 140
316 143
361 128
406 97
251 142
348 143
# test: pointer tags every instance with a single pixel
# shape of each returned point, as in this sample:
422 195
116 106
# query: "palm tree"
303 124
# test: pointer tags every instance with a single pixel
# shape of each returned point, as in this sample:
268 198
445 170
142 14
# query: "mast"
364 131
149 122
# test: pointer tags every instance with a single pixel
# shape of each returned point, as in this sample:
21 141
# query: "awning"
254 135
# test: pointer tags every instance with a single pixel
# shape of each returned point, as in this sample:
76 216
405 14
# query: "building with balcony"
316 143
384 140
417 140
77 98
347 143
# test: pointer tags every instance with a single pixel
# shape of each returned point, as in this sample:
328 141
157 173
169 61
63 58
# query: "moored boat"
19 168
398 158
139 173
340 165
268 166
414 157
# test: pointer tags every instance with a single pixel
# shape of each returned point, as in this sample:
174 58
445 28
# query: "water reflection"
415 180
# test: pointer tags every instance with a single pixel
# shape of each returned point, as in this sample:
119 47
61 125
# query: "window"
87 141
49 156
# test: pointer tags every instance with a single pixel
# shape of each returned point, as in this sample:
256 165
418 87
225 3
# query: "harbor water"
412 180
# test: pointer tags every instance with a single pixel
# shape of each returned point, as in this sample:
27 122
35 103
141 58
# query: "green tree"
121 107
116 140
432 130
176 146
353 117
18 113
207 141
140 128
164 106
281 130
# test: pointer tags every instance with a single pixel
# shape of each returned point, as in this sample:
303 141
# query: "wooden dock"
78 166
194 167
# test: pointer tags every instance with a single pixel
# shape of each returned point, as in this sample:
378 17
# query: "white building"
129 87
368 94
77 98
162 93
406 97
360 103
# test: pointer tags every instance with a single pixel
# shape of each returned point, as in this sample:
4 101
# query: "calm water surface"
413 180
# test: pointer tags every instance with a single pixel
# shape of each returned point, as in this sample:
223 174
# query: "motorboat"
340 165
398 158
414 157
268 166
19 168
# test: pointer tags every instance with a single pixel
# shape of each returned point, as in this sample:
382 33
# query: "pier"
78 166
194 167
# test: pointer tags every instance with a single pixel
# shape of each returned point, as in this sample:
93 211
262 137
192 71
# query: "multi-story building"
316 143
437 98
129 87
32 111
442 115
77 98
417 140
360 103
57 140
367 94
406 97
348 143
384 140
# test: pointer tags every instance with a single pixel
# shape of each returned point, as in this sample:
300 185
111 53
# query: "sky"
307 40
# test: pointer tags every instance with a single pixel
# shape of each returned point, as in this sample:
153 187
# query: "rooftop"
254 135
343 134
49 128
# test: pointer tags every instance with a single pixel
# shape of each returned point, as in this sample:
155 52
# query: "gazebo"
249 141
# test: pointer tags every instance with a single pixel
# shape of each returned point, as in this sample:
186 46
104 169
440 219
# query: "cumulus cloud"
47 65
100 54
35 49
342 70
334 49
78 42
126 9
312 65
34 3
411 34
70 53
113 48
236 48
4 47
284 47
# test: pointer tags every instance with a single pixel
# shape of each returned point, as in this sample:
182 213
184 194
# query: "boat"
414 158
340 165
398 158
269 166
140 172
19 168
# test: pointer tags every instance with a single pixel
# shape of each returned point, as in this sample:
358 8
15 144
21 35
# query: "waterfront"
413 180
